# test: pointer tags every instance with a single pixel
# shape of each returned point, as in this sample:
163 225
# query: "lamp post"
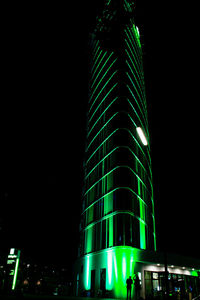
166 276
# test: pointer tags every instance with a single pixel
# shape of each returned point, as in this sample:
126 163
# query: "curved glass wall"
118 207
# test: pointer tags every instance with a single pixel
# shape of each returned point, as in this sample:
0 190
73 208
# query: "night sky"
42 114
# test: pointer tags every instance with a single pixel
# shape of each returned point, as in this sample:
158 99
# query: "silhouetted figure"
129 283
137 286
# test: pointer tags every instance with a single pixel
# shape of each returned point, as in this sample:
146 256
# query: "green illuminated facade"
117 223
118 208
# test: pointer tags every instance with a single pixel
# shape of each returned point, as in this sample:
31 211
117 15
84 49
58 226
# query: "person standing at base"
129 283
137 286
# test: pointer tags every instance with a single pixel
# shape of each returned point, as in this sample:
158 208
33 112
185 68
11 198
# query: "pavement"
43 297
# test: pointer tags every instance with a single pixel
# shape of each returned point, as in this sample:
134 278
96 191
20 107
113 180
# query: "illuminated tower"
118 208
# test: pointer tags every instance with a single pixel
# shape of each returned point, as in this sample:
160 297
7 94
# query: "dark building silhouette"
117 224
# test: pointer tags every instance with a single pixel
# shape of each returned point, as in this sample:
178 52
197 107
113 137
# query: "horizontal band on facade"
103 88
104 98
127 130
113 116
121 147
140 86
137 66
107 109
108 216
132 37
93 92
114 190
139 97
104 65
116 168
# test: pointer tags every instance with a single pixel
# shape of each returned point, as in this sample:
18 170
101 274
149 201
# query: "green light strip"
144 117
94 78
15 274
130 35
107 82
140 74
141 84
108 2
94 69
110 153
102 144
103 77
141 94
120 264
154 233
87 286
137 36
102 128
133 136
101 68
106 96
88 228
141 100
137 92
139 56
133 139
141 122
154 224
137 126
95 50
127 6
108 216
148 150
136 66
101 116
110 231
142 225
114 169
114 190
96 60
144 155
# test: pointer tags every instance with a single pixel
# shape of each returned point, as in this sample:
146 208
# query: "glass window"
110 230
149 238
136 233
155 275
128 230
147 275
103 279
118 230
110 181
120 225
99 209
93 237
90 212
98 236
107 233
88 240
148 283
156 285
103 234
108 204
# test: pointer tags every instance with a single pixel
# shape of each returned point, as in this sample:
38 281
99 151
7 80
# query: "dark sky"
42 115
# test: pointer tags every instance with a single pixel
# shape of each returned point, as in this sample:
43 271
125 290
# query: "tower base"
104 273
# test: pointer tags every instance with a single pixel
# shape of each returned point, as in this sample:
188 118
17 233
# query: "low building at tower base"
104 274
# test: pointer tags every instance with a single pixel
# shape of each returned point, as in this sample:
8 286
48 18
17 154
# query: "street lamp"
142 136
